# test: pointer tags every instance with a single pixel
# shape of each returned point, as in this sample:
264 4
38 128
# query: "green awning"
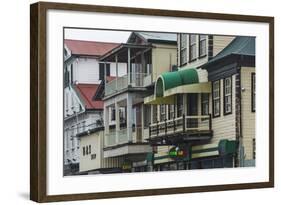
170 80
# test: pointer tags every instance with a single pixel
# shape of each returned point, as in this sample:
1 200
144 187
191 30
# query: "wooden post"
165 126
210 122
183 122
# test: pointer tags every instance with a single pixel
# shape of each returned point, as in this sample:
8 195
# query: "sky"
97 35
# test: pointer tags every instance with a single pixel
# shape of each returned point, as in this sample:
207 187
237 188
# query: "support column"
129 118
129 66
116 71
117 122
185 104
106 124
142 121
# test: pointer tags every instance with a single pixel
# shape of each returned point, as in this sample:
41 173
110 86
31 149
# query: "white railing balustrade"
120 83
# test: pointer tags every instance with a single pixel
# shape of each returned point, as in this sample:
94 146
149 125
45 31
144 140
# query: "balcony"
120 83
118 143
117 137
181 129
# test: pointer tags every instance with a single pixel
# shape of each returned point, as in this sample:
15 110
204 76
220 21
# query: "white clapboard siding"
248 117
224 126
220 42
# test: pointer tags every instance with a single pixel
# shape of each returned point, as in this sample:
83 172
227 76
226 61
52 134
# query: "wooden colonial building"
200 109
126 119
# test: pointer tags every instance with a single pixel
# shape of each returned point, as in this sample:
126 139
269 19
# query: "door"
192 110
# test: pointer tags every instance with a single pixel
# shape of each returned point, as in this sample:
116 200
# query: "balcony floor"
126 149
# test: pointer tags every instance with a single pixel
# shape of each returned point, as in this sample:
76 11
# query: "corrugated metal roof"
158 36
92 48
86 92
241 45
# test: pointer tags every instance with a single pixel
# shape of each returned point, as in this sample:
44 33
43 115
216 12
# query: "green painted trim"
212 149
162 157
204 150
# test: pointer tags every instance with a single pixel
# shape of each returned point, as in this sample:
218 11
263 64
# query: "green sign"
177 152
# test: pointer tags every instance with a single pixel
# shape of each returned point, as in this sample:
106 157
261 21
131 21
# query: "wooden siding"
224 125
163 57
248 117
220 42
86 163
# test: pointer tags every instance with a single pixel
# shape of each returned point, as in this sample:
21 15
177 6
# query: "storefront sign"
177 152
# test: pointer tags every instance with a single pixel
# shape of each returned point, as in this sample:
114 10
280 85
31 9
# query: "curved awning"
188 80
171 80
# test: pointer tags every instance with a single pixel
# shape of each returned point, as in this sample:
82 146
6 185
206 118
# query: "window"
216 98
183 49
253 92
66 101
84 152
66 139
205 104
112 114
87 150
162 112
154 112
147 115
171 113
192 47
93 156
179 105
90 149
102 70
202 45
227 95
72 143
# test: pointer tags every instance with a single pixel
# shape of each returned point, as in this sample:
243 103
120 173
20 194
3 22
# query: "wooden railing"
181 124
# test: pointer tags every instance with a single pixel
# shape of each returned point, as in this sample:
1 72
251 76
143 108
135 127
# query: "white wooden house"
83 80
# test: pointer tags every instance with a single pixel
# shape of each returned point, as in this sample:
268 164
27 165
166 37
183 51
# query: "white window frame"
192 47
202 42
216 98
227 95
183 49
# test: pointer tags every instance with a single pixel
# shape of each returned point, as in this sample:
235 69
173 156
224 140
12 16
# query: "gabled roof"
151 36
241 45
89 48
86 93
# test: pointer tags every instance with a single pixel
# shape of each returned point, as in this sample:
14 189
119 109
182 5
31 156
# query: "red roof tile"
92 48
86 92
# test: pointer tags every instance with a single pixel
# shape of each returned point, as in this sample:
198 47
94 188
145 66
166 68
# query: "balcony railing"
183 124
120 83
117 137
